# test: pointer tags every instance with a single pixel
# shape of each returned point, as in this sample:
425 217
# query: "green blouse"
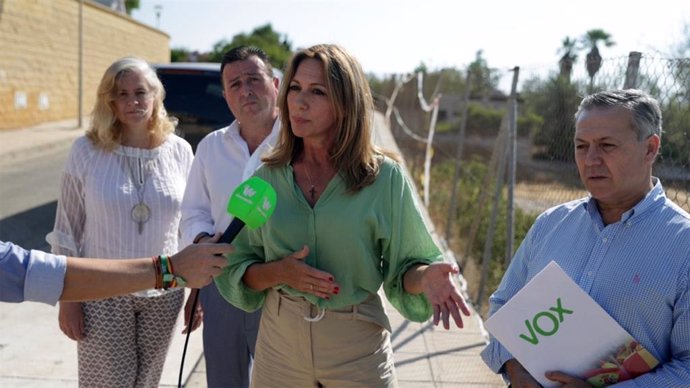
363 240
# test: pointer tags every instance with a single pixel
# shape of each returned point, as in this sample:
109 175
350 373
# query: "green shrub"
447 126
483 120
529 123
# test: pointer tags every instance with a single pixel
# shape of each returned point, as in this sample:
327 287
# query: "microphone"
252 203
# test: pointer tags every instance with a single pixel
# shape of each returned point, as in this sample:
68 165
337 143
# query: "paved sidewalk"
32 141
34 353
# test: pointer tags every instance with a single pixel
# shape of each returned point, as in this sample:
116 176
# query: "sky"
395 36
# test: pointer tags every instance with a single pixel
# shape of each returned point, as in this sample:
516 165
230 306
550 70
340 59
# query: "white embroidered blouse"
99 190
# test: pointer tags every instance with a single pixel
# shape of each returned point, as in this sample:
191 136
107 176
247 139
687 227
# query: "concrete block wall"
39 56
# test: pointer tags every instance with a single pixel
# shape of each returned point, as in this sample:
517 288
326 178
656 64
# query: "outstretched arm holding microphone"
43 277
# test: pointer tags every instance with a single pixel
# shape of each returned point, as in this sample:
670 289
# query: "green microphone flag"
252 203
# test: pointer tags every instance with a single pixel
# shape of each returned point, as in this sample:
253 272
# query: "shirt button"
605 239
589 273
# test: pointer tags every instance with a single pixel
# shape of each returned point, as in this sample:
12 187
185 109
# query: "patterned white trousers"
127 339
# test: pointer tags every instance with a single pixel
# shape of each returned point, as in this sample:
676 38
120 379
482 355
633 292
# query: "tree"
681 64
179 54
682 48
593 59
131 5
569 50
421 68
555 100
675 145
484 79
273 43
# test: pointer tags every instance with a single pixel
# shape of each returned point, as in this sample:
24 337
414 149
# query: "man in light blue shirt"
627 245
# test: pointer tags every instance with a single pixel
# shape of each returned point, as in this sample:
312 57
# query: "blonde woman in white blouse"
120 197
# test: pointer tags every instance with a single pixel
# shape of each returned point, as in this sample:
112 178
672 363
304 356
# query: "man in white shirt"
225 158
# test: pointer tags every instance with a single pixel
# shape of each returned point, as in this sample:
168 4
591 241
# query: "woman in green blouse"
345 223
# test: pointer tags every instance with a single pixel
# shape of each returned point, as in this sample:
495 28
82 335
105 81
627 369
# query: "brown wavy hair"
353 153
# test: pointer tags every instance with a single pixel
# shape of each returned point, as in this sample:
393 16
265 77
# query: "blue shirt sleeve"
30 275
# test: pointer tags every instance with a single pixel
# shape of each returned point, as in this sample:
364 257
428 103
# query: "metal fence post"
498 190
633 70
458 155
512 162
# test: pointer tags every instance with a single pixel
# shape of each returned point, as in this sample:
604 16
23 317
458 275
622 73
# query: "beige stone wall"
39 56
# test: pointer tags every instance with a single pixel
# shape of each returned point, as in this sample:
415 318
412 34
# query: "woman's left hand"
446 299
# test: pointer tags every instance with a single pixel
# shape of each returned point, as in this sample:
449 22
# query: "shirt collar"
233 131
654 197
150 153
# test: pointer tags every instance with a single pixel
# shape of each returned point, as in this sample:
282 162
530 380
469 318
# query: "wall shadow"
28 229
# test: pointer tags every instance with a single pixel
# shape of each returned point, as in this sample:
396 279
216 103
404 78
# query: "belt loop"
280 300
355 312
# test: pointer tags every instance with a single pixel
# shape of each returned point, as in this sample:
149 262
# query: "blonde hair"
353 154
105 131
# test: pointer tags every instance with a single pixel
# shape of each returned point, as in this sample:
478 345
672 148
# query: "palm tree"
569 50
593 60
131 5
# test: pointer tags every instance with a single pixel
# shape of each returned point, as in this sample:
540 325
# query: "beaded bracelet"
165 275
168 277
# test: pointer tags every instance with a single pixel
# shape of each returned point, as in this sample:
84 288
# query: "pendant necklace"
312 189
140 212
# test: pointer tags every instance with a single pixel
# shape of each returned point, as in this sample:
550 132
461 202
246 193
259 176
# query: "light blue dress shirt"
30 275
637 269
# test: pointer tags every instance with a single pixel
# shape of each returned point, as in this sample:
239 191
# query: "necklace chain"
312 189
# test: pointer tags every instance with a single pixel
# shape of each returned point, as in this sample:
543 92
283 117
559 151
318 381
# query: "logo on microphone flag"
253 202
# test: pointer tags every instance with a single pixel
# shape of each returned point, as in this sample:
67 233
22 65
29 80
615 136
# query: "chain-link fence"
668 80
497 161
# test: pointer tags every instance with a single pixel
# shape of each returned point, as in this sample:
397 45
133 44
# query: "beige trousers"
348 347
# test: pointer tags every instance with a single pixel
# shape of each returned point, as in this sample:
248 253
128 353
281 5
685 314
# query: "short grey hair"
646 120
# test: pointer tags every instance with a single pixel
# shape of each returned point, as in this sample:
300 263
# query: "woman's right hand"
71 318
306 278
292 271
